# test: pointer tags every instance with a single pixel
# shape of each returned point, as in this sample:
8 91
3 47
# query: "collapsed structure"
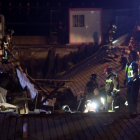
17 89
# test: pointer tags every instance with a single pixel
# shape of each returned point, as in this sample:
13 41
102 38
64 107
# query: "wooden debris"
57 80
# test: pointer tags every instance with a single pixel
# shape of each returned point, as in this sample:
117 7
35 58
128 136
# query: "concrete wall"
30 39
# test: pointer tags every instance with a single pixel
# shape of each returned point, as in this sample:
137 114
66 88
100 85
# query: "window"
81 20
78 21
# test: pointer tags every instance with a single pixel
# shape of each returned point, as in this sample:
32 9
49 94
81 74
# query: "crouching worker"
96 104
93 100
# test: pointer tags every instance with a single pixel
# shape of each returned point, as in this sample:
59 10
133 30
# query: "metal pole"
112 105
79 104
50 22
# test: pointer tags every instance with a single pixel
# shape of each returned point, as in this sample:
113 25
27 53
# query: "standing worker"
89 90
90 87
132 82
60 33
93 96
112 28
6 42
112 87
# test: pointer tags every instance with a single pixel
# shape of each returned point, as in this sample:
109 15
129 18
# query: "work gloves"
113 94
130 82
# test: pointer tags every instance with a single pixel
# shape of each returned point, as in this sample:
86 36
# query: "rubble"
20 89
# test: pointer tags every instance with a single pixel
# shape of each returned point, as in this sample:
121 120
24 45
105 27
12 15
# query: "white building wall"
91 32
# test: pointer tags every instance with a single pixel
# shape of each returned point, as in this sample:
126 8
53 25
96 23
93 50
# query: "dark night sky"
98 3
27 24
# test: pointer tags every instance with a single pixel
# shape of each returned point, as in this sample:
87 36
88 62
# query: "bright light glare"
116 107
93 105
114 41
102 101
86 111
126 103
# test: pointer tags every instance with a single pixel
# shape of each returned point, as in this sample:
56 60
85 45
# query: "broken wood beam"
44 90
51 86
55 80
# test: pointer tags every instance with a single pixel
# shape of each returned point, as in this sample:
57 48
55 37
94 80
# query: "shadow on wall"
96 37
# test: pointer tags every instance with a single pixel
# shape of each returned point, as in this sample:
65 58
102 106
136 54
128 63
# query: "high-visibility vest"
130 73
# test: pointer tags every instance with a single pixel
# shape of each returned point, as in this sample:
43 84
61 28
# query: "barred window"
78 21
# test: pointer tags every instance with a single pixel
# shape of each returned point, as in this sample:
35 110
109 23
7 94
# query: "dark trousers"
132 95
117 101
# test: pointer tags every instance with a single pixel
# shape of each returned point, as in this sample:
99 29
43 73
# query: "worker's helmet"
107 69
10 31
66 108
93 76
88 101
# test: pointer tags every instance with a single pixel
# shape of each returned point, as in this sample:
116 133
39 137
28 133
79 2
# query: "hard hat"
88 101
107 69
10 31
93 76
66 108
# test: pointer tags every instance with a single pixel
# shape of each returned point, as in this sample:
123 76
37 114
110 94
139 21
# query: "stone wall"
30 39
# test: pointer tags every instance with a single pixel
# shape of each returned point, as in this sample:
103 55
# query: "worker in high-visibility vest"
112 87
132 82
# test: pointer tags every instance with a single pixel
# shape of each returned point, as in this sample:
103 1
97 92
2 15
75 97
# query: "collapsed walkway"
78 126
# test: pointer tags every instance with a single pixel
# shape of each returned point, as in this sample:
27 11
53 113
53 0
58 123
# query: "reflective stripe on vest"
108 80
116 90
129 72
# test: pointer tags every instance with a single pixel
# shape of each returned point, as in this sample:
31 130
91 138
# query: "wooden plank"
39 130
3 68
58 127
79 130
44 90
57 80
32 127
91 128
65 127
99 128
52 130
46 130
84 127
